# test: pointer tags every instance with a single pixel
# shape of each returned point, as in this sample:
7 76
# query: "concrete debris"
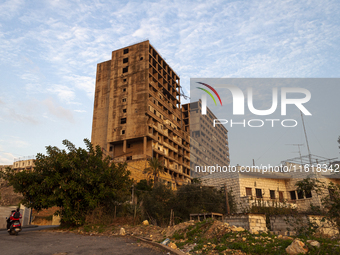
172 245
314 243
122 232
296 247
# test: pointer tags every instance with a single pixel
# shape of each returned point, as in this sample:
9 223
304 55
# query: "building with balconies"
137 113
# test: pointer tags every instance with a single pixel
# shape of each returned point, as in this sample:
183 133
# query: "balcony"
250 201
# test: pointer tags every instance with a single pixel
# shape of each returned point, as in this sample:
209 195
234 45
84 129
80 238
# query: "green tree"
77 180
155 168
330 198
196 198
158 203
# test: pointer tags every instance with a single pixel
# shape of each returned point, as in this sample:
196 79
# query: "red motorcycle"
15 227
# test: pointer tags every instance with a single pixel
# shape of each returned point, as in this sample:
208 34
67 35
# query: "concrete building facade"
209 145
137 113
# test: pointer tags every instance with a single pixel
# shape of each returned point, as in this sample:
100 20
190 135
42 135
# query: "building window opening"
126 51
141 58
123 132
300 194
308 194
124 110
292 195
331 193
124 80
125 69
258 193
111 148
124 100
123 121
281 196
248 192
272 194
129 158
125 60
124 89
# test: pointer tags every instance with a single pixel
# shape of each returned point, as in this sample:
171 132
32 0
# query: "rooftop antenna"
309 155
298 144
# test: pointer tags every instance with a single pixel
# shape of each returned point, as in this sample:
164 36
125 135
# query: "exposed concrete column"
145 141
124 146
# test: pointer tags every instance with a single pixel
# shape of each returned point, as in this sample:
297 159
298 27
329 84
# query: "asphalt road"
33 241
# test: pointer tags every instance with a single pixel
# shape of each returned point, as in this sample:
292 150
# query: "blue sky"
49 51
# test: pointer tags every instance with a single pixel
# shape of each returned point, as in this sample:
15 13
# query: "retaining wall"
251 222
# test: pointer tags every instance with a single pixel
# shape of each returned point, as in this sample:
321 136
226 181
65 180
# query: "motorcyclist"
15 215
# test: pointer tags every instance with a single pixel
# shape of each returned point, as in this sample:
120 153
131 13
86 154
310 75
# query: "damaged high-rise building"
137 113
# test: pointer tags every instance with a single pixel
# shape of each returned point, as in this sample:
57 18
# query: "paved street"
38 242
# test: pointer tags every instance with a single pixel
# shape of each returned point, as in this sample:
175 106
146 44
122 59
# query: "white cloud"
58 111
12 114
83 83
6 159
63 92
10 8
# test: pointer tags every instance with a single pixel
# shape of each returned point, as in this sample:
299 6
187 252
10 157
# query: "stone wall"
7 195
284 225
5 211
251 222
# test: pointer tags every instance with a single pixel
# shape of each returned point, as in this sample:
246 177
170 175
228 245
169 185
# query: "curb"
159 245
29 226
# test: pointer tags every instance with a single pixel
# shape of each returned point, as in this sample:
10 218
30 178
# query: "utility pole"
309 155
226 199
133 193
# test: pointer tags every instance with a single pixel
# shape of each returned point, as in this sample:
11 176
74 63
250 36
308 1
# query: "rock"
146 223
172 245
244 239
122 231
296 247
314 243
226 224
279 236
237 229
254 232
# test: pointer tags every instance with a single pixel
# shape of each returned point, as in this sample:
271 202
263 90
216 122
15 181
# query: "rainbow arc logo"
204 98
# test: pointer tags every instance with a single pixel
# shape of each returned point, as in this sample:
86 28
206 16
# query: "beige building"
25 163
137 113
271 188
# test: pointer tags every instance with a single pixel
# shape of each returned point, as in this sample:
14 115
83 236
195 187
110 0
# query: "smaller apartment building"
20 164
208 145
271 188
